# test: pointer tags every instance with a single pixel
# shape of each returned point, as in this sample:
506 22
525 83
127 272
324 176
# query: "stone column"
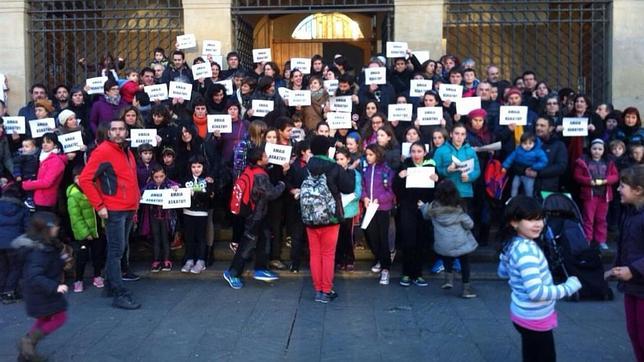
420 24
16 54
208 19
627 57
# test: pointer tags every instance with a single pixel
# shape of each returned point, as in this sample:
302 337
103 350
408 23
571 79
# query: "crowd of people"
336 184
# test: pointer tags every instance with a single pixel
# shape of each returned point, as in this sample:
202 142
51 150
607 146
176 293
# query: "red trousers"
634 308
322 241
594 214
50 323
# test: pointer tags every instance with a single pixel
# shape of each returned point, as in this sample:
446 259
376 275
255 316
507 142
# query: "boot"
468 292
449 281
27 346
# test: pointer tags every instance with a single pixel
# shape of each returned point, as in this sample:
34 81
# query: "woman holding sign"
432 99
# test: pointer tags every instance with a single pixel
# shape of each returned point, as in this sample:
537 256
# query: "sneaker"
78 286
30 204
384 277
438 267
167 266
350 267
603 247
130 277
98 282
468 292
187 266
234 282
322 297
331 295
125 301
294 269
265 275
156 267
420 282
277 264
198 267
289 242
376 268
457 266
392 255
405 281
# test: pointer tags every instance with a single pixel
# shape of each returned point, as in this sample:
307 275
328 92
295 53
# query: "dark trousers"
634 310
481 213
448 262
255 238
415 234
296 231
194 236
537 346
117 231
276 213
10 270
344 249
85 250
377 235
160 239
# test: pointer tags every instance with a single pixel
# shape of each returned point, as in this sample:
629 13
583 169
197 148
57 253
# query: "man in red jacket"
110 184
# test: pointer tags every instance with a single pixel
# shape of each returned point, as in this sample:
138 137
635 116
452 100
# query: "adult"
216 99
109 181
178 71
529 86
401 74
271 69
80 105
494 77
232 58
107 107
490 105
510 135
266 91
37 92
630 130
582 108
547 179
383 94
61 97
6 162
432 99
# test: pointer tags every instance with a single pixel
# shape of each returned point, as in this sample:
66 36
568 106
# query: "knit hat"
512 90
597 140
64 115
46 104
168 151
477 113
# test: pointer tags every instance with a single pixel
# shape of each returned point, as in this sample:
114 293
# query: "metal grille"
566 43
304 6
244 41
62 32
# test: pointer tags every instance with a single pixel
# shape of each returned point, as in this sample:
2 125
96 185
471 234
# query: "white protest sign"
219 59
429 116
464 166
301 64
347 198
228 83
211 47
180 90
152 197
397 49
406 147
418 87
299 98
186 41
575 126
262 55
517 115
14 124
176 199
41 126
369 214
341 104
375 75
496 146
202 70
339 120
95 85
450 92
400 112
278 154
157 92
419 177
331 85
141 136
72 141
220 122
421 55
331 152
467 104
261 107
284 92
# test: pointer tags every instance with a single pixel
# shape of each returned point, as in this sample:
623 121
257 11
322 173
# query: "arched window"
327 26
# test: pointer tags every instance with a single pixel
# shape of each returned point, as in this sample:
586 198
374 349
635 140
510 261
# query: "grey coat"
452 229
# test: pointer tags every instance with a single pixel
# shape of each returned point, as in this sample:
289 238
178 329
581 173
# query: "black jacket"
630 250
548 177
339 180
263 192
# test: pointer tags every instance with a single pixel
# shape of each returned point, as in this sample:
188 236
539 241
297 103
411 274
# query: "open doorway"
354 54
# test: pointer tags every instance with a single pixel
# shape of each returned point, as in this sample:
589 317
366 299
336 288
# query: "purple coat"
377 183
104 112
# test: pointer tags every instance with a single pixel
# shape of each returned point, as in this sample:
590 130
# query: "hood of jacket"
23 241
444 215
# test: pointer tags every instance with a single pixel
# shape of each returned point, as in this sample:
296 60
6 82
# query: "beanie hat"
64 115
46 104
597 140
168 151
320 145
512 90
476 113
145 147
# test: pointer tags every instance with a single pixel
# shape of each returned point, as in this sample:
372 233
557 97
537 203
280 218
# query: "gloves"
572 285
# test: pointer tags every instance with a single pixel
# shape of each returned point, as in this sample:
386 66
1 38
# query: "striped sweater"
533 292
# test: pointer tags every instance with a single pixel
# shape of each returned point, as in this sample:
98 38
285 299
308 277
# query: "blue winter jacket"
14 216
443 158
536 159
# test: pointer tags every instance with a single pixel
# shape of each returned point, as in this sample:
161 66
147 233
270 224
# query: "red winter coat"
583 177
45 186
109 178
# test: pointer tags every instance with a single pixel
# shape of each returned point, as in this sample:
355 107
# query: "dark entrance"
352 53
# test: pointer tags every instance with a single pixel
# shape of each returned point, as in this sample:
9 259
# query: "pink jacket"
50 174
583 177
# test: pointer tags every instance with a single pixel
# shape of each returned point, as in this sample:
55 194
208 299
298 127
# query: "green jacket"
81 214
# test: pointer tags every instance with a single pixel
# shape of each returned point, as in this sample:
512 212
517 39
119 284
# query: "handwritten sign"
228 83
262 55
331 85
339 120
299 98
573 127
375 75
418 87
211 47
213 58
71 142
429 116
397 49
406 147
419 177
513 115
152 197
302 64
278 154
284 92
261 107
41 126
186 41
220 122
421 55
180 90
176 199
467 104
463 166
157 92
201 70
14 124
400 112
95 85
450 92
341 104
141 136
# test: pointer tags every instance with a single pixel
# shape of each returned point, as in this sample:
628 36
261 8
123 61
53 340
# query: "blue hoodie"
535 158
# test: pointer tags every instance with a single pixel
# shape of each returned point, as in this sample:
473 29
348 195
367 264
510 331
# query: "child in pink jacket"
50 174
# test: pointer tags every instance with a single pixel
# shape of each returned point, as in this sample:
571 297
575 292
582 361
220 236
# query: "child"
159 57
14 217
628 263
160 221
44 259
636 154
144 164
25 166
529 154
377 185
83 222
50 174
256 229
169 165
195 218
452 234
618 154
355 150
297 133
344 255
596 175
532 306
131 86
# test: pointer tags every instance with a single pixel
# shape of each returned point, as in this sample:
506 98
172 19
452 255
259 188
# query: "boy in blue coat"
529 154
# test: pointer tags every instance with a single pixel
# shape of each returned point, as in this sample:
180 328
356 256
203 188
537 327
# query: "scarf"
44 154
202 125
113 100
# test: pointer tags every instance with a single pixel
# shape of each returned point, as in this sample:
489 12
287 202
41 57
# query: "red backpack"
495 180
241 202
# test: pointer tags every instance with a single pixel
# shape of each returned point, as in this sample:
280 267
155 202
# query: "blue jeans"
527 182
117 231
